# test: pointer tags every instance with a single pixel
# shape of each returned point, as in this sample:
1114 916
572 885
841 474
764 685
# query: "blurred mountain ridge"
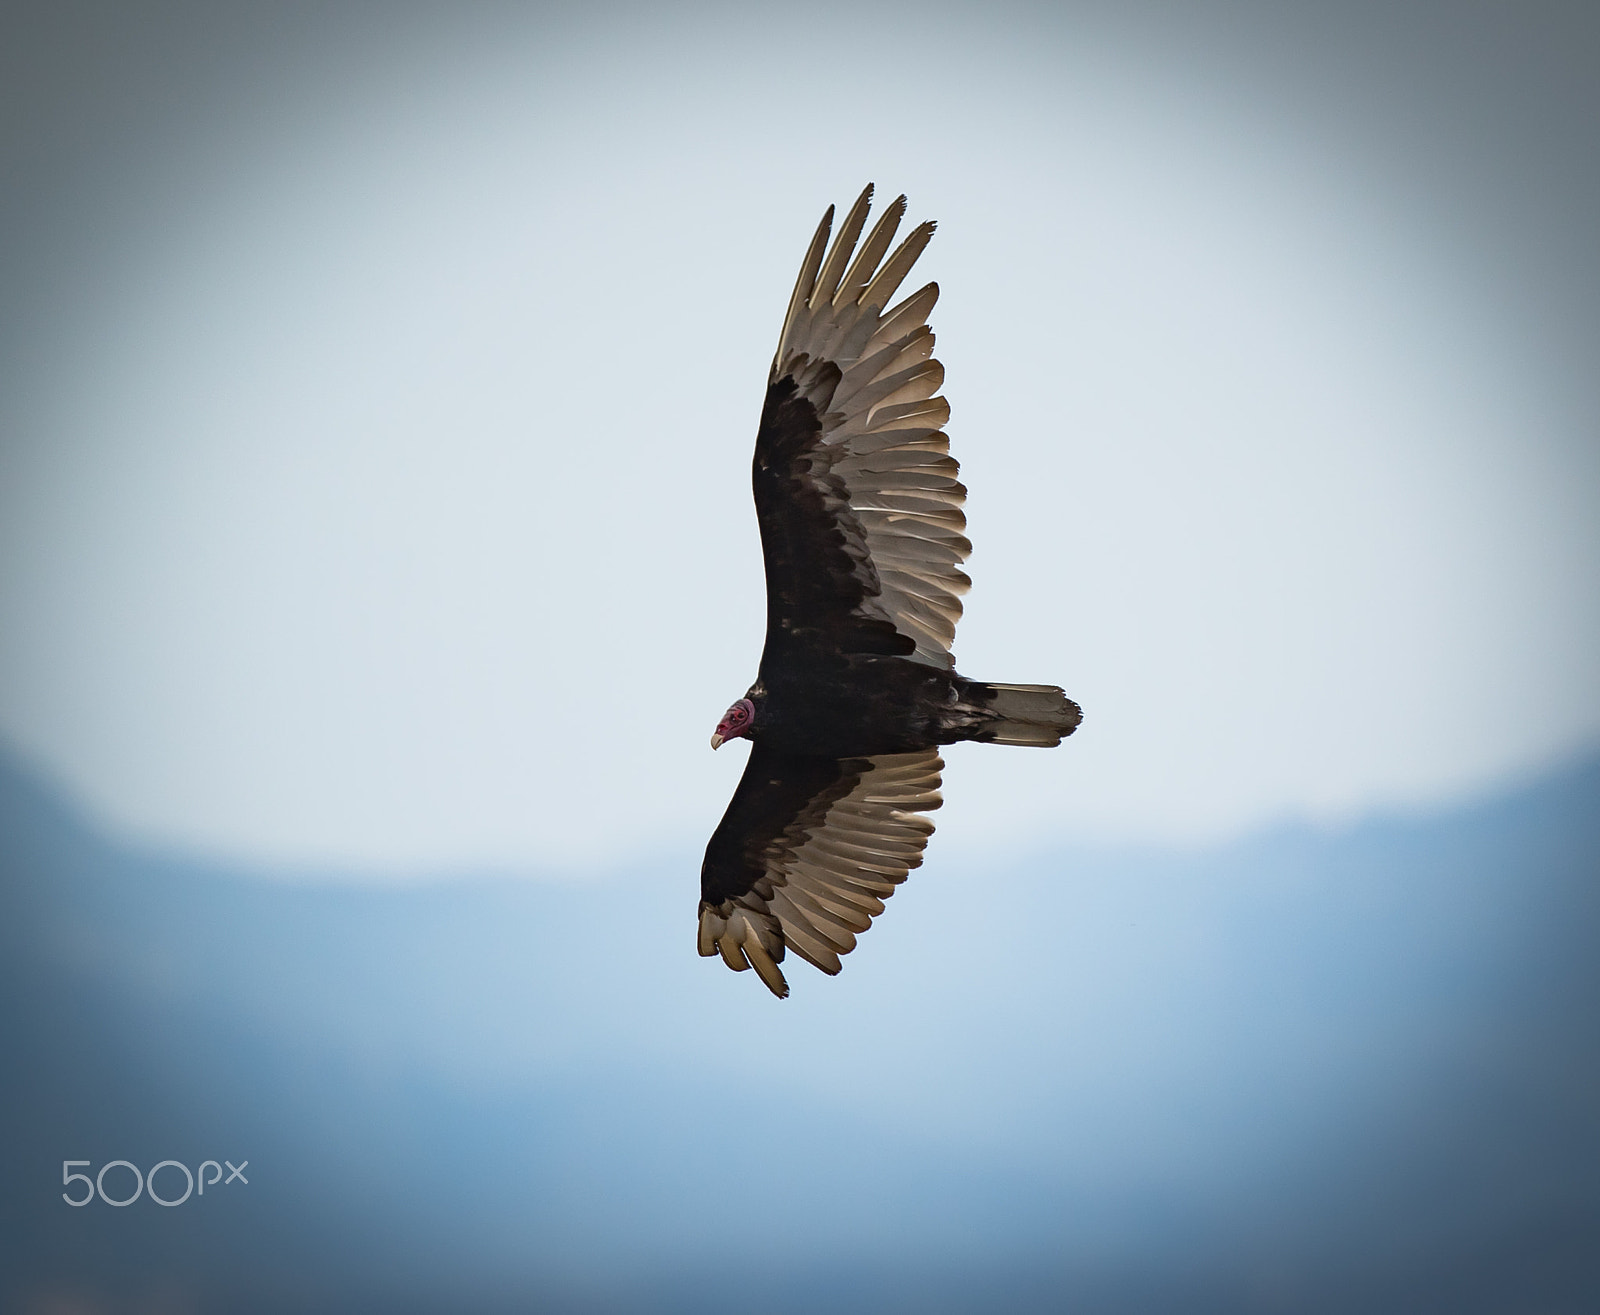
1308 1070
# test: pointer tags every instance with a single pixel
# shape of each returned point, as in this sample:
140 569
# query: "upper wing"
808 851
856 492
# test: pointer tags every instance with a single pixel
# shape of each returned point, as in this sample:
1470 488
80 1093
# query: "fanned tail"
1040 716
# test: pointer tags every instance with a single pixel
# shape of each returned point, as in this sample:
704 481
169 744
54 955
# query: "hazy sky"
378 387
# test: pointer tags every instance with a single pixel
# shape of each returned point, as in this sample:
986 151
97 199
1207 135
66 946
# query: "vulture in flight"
861 532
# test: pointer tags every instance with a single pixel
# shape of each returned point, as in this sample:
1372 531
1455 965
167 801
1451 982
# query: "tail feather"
1035 715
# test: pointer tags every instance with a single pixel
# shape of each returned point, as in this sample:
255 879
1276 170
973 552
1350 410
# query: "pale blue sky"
376 495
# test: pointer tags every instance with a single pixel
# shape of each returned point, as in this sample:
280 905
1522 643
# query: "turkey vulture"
861 532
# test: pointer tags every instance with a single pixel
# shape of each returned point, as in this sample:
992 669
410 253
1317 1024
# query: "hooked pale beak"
716 741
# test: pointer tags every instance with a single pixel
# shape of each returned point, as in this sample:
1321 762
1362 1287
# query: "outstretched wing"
808 851
855 489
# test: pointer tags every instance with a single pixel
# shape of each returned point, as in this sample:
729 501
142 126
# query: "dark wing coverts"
856 491
808 851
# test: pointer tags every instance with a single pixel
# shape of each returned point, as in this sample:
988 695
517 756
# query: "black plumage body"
859 704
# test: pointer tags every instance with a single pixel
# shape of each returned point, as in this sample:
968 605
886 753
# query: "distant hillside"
1317 1071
